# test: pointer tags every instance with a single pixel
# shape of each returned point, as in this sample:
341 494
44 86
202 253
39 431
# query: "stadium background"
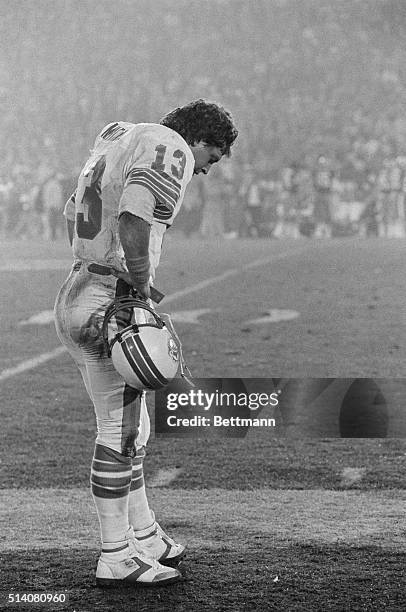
303 79
286 524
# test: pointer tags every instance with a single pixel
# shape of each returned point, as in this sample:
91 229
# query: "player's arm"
151 192
134 236
136 214
69 214
70 226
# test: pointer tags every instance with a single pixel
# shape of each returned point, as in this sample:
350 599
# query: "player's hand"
125 277
143 291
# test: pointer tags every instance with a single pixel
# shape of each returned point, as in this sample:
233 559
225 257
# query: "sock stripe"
114 479
100 466
103 453
113 550
137 473
105 493
137 483
110 476
145 537
116 483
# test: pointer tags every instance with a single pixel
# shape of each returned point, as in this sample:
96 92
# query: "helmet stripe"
148 361
131 360
143 367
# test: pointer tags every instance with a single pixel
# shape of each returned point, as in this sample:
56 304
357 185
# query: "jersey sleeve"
157 177
139 201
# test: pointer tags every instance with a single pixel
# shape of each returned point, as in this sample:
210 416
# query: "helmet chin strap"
182 363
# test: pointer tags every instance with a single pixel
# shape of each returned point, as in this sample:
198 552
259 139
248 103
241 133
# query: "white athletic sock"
139 513
110 481
115 551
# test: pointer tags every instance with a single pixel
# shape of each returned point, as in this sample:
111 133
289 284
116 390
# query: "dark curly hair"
202 120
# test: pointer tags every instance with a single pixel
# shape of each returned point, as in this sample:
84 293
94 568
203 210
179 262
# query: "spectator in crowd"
370 218
192 210
384 190
323 177
291 198
212 223
6 187
391 184
26 208
52 198
269 190
253 218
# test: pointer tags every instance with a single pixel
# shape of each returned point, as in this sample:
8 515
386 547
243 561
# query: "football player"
128 193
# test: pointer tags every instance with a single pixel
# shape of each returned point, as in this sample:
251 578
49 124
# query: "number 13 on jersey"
162 160
88 200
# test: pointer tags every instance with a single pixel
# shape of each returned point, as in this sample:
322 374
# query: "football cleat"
157 545
133 569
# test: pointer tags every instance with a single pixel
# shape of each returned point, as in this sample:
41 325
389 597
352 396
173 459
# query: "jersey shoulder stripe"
159 176
165 189
162 213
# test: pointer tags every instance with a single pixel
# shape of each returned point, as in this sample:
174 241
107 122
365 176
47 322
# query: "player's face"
205 156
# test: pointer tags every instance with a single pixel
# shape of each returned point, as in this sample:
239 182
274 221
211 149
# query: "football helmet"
146 354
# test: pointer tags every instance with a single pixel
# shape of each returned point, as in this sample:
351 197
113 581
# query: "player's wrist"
138 269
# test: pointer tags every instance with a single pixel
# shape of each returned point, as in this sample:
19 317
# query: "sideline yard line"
230 273
30 364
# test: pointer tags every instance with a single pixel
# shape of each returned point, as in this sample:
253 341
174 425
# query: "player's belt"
94 268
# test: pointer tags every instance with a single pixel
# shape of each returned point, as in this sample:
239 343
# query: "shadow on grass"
296 577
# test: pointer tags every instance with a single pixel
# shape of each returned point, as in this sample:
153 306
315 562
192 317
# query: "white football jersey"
140 168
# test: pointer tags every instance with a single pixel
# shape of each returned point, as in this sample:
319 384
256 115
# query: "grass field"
271 523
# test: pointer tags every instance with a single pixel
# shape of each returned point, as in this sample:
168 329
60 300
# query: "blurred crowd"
298 200
317 89
295 201
32 203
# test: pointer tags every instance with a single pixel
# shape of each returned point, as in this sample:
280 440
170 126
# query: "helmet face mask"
146 355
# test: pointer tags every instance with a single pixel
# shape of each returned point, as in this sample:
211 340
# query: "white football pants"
121 412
